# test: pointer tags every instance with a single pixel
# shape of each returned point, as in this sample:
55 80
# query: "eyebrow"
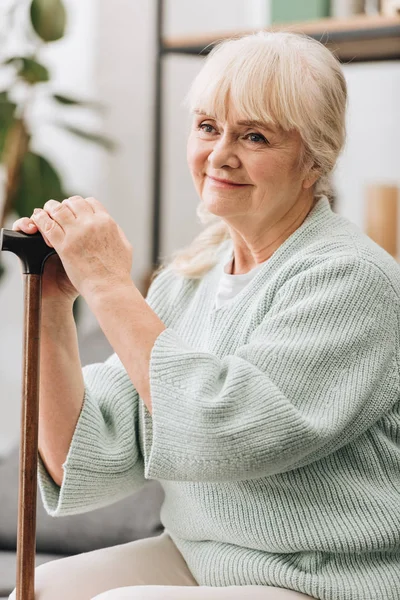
248 123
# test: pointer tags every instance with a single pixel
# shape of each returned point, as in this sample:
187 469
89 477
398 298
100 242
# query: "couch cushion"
129 519
8 570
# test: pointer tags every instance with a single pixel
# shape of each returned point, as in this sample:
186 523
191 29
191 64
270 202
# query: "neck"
248 255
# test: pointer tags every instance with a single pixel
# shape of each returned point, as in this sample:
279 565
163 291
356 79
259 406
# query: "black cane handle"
30 248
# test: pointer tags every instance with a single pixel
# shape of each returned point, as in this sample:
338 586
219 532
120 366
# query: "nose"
223 154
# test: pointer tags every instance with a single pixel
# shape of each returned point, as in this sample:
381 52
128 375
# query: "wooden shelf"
361 38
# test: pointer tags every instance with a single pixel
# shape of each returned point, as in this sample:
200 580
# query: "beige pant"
148 569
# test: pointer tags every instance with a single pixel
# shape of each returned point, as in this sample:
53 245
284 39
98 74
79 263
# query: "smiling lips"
225 182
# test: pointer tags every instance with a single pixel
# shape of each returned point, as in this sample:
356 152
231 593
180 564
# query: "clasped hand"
93 249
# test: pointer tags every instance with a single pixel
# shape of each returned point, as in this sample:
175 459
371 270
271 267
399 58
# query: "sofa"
129 519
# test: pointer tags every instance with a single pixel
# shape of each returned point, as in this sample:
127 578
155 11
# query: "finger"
46 239
24 224
78 206
96 205
60 212
48 227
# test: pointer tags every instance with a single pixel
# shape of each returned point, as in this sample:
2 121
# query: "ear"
311 177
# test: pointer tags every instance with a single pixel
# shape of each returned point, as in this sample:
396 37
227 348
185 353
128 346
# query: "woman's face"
260 162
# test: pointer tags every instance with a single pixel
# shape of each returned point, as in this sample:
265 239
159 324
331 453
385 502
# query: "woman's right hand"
56 285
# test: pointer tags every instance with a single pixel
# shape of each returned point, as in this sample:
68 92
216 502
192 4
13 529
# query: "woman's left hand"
93 249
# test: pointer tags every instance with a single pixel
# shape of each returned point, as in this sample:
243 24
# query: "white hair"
282 78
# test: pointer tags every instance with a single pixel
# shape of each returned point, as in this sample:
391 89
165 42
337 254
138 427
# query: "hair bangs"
258 84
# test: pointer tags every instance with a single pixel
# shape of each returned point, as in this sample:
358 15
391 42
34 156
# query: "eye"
261 139
203 125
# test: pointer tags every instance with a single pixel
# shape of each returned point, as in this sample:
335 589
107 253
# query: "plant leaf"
7 108
48 19
72 102
7 111
29 69
33 72
90 137
38 182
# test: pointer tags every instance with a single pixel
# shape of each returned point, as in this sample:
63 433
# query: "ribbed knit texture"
276 420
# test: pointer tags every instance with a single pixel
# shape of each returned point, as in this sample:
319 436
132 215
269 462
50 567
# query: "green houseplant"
31 179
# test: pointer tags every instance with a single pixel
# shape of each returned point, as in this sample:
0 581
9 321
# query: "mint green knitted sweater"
276 420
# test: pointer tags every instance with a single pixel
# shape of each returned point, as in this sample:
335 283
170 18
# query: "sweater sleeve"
319 369
104 462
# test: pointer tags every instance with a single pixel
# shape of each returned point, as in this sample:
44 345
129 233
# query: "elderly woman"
259 379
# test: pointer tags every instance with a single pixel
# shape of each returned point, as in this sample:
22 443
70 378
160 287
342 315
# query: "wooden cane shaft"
26 538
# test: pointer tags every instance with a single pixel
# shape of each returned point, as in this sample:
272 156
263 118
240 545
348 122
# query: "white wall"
109 53
124 78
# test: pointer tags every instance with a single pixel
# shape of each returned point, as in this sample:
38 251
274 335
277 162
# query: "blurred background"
79 94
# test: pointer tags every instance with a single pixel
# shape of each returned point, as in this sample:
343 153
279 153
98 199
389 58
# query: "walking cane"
33 252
